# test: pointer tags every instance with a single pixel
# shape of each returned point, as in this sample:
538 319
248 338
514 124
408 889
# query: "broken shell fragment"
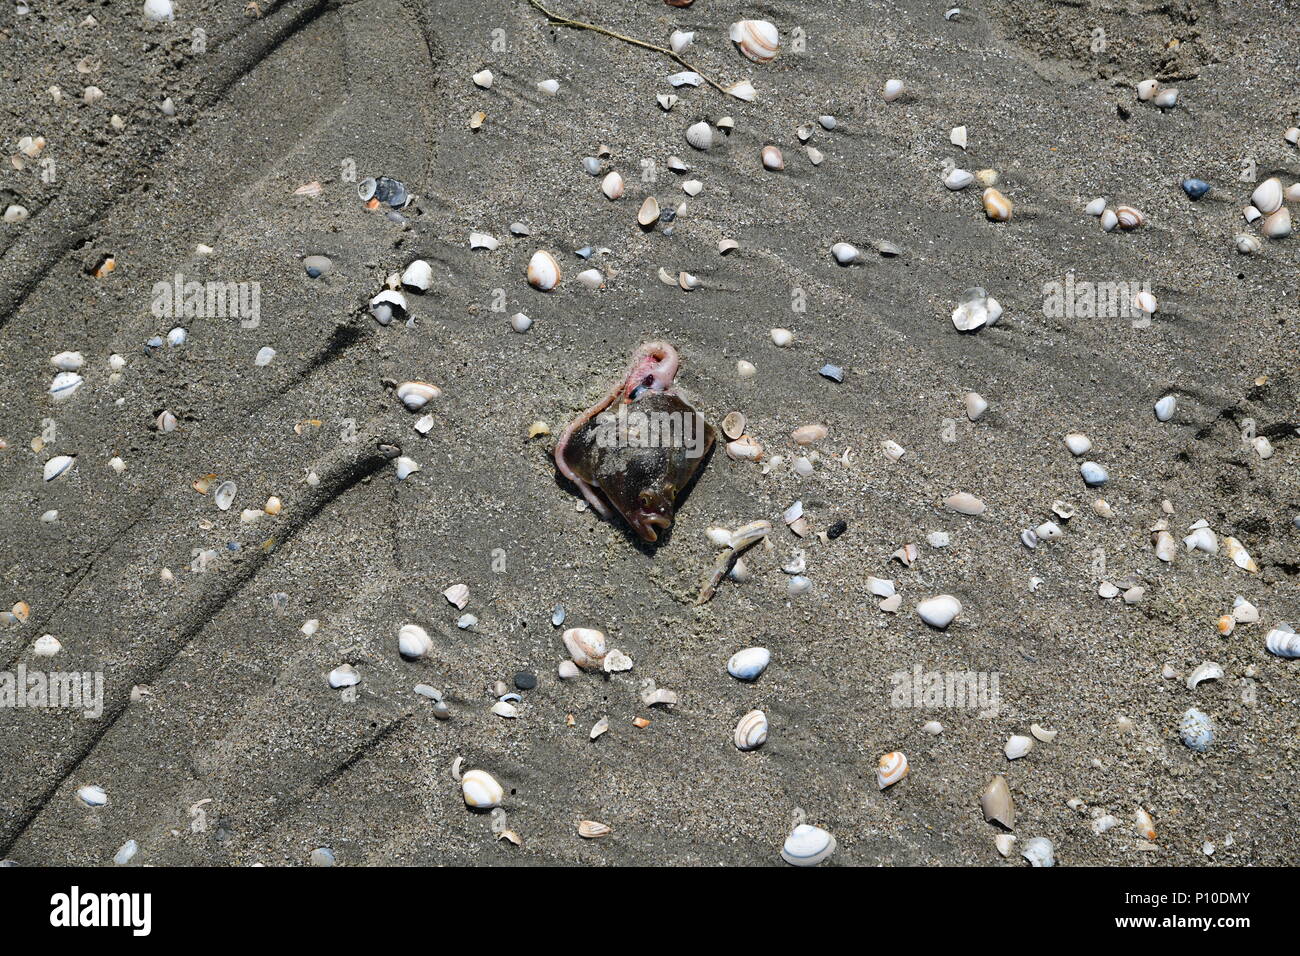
1039 852
418 275
388 305
996 803
592 830
1017 746
1283 641
1207 670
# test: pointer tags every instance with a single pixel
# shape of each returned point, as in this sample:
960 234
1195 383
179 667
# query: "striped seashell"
751 731
700 135
1283 641
996 206
481 790
807 845
593 830
1129 218
64 384
543 271
757 39
891 769
415 395
586 646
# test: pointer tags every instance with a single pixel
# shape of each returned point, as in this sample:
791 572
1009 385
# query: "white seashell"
264 357
126 853
567 670
932 727
158 11
890 605
1283 641
891 768
892 91
477 240
1104 823
1292 135
1146 827
344 676
744 448
64 384
543 271
224 496
700 135
1263 447
939 611
1268 196
413 641
1247 244
481 790
1109 220
808 434
586 646
1278 225
1195 730
549 87
958 179
1078 443
1244 612
1166 407
1146 302
680 40
1017 746
1039 852
68 361
1202 539
92 796
1093 474
47 645
893 450
996 803
749 663
815 155
1165 99
612 185
1240 556
1147 89
881 587
757 39
1005 843
503 708
592 278
593 830
751 731
782 338
976 406
419 274
958 137
772 159
1205 671
404 467
483 78
1292 193
520 322
415 395
744 90
966 504
798 584
648 214
457 595
1041 733
387 305
807 845
844 253
58 465
616 661
746 369
1096 207
692 187
1250 213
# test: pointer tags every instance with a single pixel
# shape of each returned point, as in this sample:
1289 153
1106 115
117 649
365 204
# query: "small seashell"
1195 188
481 790
1195 730
746 369
892 91
404 467
224 496
1166 99
1166 407
727 245
388 305
344 676
64 385
543 271
758 40
47 645
751 731
1147 89
1109 220
1250 213
648 214
457 595
1145 825
893 450
1146 302
1244 612
680 40
744 448
1263 447
1277 225
700 135
68 361
808 434
92 796
1096 207
1128 218
1208 670
1268 196
733 426
419 274
749 663
1017 746
1046 736
891 768
939 611
612 185
586 646
592 278
1039 852
1283 641
782 338
57 466
958 179
807 845
549 87
567 670
415 395
483 78
616 661
1226 624
591 830
1292 135
477 240
505 709
815 155
1093 474
996 803
1240 556
600 727
1078 443
413 641
520 322
996 206
932 727
744 90
958 137
692 187
966 504
844 253
772 158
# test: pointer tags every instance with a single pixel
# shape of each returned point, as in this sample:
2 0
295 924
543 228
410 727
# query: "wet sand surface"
233 706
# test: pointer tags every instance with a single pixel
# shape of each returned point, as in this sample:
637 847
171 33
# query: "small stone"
525 680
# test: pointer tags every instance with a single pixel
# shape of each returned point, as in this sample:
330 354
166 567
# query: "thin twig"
556 20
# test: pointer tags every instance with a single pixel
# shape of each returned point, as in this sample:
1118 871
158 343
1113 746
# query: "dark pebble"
837 529
525 680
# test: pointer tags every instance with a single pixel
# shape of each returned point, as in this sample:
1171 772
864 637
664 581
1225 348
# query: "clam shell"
418 275
733 426
404 467
457 595
958 179
891 768
68 361
1128 218
1166 407
1277 225
808 434
772 158
344 676
1096 207
1283 641
1195 730
966 504
1147 89
976 406
996 803
749 663
612 185
1166 99
758 40
781 338
751 731
1093 474
700 135
744 448
1109 220
413 641
680 40
543 271
996 206
1268 196
224 496
481 790
415 395
1145 825
92 796
648 214
388 305
586 646
1017 746
58 465
807 845
592 278
483 78
939 611
893 90
744 90
592 830
64 385
844 253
